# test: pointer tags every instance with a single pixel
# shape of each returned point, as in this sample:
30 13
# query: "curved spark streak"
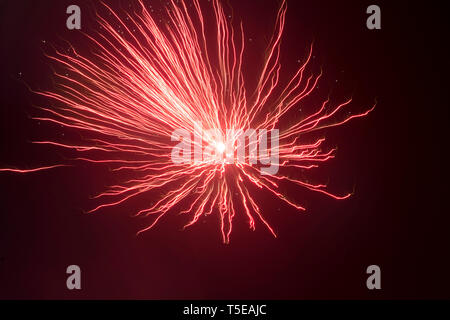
32 170
144 81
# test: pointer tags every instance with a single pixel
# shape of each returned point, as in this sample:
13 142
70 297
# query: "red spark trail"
31 170
144 81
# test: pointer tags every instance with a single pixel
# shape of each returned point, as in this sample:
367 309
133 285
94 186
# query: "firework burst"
144 80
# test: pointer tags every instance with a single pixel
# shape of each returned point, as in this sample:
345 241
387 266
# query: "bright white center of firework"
220 147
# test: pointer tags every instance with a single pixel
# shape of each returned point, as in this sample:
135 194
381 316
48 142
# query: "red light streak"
144 81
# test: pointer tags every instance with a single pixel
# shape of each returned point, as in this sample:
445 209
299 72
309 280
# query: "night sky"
394 159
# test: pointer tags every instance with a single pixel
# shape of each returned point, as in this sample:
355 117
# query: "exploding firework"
145 80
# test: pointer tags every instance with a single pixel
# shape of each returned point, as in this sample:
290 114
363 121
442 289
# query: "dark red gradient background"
394 158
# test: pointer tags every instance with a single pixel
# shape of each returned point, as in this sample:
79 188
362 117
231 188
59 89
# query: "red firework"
144 81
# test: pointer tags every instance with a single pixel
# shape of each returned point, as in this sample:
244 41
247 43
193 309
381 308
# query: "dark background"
395 159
